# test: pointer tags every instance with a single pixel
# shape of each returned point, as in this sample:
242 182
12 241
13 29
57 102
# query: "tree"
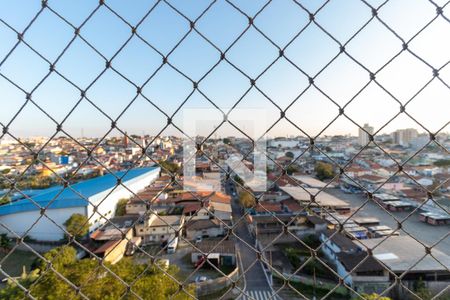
247 199
96 282
421 290
226 141
289 154
59 256
374 296
442 163
77 225
291 169
169 166
5 200
238 180
121 207
5 242
324 170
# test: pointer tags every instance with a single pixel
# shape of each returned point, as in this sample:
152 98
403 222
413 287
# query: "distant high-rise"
363 137
404 137
125 140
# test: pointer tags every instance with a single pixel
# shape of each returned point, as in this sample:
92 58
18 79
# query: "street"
256 285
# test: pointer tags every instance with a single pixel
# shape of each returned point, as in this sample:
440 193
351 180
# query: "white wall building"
102 192
363 137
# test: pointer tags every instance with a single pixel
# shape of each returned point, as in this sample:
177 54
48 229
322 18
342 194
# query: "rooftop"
60 197
115 232
216 246
351 261
310 181
322 198
202 224
343 242
400 253
171 220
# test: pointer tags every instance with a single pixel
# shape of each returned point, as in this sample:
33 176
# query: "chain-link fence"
302 238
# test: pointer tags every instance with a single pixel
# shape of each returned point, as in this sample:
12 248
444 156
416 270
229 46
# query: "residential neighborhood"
334 213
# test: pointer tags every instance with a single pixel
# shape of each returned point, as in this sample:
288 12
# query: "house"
157 229
112 251
263 224
356 171
204 228
362 272
111 240
268 208
335 243
219 252
194 209
292 206
220 205
317 223
210 204
370 181
136 206
275 224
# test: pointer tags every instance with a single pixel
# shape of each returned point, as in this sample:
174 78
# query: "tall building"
125 140
404 137
363 137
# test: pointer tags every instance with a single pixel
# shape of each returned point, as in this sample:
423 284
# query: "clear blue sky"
222 24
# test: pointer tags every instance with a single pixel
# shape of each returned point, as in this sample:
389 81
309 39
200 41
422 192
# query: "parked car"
198 239
199 279
131 248
172 245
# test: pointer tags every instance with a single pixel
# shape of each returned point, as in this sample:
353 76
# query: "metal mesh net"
260 239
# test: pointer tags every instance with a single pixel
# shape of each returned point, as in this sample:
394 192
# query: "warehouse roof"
400 253
310 181
60 197
322 198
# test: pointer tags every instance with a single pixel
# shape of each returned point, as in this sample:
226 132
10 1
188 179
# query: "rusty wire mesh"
258 256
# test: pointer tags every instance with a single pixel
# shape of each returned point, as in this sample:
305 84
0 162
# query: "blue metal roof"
70 197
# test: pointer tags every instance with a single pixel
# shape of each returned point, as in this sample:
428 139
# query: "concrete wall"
136 208
44 229
211 232
216 285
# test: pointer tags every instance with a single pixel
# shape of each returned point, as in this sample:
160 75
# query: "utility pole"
314 282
